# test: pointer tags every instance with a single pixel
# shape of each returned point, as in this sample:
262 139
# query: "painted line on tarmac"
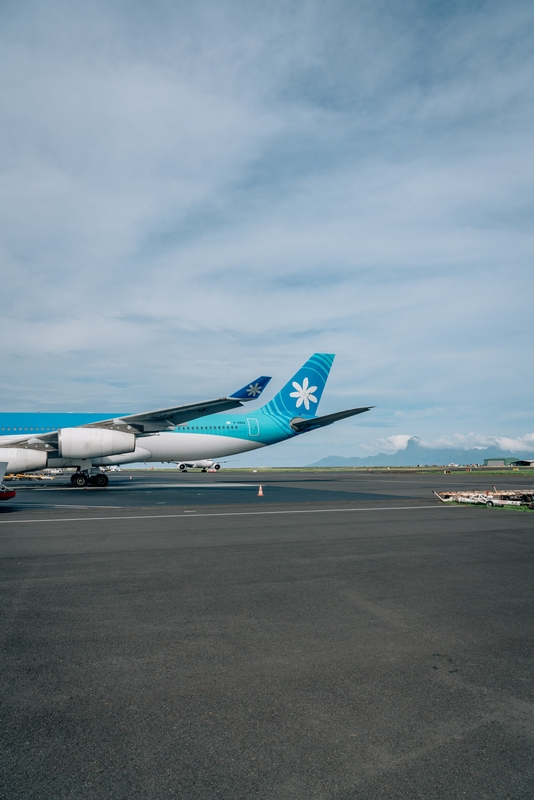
59 505
143 487
185 514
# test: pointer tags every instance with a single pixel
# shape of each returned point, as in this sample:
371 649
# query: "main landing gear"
81 479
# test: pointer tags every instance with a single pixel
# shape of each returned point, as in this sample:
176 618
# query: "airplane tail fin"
252 390
302 394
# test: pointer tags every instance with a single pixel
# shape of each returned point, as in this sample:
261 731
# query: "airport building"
508 462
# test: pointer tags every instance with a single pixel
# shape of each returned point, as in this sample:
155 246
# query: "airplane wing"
164 418
300 424
152 421
43 441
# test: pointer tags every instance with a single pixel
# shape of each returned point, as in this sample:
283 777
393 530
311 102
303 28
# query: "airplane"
204 464
30 442
180 434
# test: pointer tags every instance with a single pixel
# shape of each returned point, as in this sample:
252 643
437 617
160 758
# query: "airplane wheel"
79 480
101 480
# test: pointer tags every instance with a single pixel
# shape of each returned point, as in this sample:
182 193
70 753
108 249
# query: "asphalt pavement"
343 637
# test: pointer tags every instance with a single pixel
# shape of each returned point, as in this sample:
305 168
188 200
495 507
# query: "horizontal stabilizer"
299 424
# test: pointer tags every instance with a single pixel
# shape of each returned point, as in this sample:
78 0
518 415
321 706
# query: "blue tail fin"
302 394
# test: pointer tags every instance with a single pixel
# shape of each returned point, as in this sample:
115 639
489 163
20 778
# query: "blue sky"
196 194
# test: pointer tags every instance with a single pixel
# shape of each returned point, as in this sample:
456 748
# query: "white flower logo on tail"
304 393
254 389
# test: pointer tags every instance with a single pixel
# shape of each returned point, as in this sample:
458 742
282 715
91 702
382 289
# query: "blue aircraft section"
300 397
13 423
302 394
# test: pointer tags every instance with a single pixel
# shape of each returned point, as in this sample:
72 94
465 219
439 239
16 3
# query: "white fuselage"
174 447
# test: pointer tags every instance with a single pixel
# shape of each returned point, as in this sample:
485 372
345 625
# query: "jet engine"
21 460
86 443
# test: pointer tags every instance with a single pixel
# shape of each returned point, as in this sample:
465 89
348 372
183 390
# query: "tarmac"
343 637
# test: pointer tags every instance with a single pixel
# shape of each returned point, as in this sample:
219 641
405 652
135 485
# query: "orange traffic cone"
260 491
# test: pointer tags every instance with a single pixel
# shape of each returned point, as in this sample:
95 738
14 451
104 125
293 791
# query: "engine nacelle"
21 460
86 443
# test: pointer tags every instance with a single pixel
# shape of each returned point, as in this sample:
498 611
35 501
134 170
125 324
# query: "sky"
195 194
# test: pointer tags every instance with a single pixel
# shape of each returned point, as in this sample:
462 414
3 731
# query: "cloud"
389 444
522 443
458 441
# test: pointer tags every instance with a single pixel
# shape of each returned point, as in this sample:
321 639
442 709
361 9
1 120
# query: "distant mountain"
414 454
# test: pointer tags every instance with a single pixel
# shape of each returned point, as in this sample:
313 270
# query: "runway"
345 636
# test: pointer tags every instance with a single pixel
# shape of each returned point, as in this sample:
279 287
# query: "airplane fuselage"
192 432
211 436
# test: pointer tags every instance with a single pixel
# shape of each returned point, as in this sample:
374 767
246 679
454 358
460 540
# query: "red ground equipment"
5 493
